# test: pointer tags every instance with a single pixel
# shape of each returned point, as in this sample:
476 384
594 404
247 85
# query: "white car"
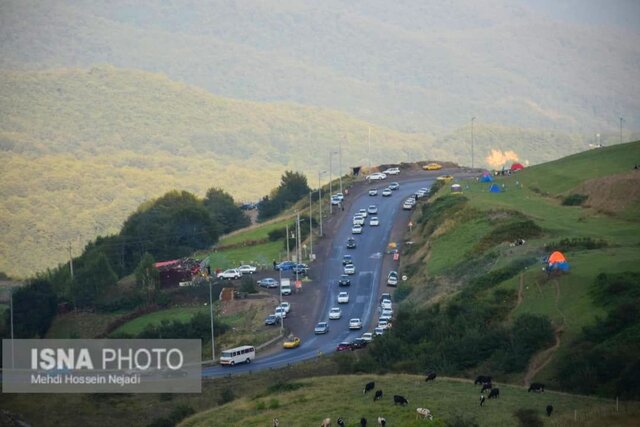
386 192
377 176
339 196
392 171
232 273
373 192
335 201
387 312
358 220
343 298
280 312
392 278
384 317
378 331
374 221
286 306
355 323
411 200
407 206
386 303
367 336
335 313
383 324
247 269
356 229
372 209
350 269
362 212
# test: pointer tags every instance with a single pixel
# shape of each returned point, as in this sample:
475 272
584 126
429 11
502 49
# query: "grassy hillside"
472 239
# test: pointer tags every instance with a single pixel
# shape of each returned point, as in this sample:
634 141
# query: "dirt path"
542 358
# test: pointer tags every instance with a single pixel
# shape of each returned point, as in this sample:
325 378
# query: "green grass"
256 232
259 255
137 325
81 325
341 396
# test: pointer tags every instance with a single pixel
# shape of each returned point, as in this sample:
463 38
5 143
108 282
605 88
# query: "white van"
285 286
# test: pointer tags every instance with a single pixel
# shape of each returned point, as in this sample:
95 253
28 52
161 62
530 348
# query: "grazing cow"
326 422
378 395
481 399
481 379
368 387
399 400
363 422
340 422
276 422
486 386
494 393
382 422
424 414
549 410
430 376
538 387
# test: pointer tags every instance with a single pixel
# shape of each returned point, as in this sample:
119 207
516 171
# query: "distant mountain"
421 65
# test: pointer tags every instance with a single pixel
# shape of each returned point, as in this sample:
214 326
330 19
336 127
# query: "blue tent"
486 178
495 188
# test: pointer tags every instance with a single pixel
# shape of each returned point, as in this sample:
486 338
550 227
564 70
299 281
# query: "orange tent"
516 167
556 257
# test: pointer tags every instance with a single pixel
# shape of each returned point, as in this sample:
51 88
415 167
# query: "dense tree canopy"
34 307
222 208
293 186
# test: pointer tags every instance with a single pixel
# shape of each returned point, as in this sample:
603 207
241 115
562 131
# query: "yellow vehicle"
432 167
444 178
292 342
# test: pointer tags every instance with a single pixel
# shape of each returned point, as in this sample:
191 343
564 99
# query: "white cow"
326 422
424 414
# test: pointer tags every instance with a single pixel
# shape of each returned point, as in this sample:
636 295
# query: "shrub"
528 418
226 396
579 243
274 403
281 387
276 234
260 405
574 199
248 285
509 231
402 292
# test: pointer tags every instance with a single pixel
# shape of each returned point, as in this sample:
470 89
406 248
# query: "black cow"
486 386
549 410
494 393
378 395
481 379
363 422
539 387
340 422
368 387
399 400
430 376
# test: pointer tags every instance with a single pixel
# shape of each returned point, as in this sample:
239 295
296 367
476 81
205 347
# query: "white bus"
244 354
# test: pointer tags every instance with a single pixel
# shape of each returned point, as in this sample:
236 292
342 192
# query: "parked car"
286 306
445 178
343 346
378 331
268 282
407 206
247 269
232 273
384 317
386 304
351 243
367 337
392 278
392 171
386 192
321 328
302 269
355 323
373 192
412 200
358 343
292 342
383 324
344 280
394 186
271 320
335 201
339 196
372 209
280 312
385 296
350 269
343 297
432 167
374 221
356 229
335 313
285 265
387 312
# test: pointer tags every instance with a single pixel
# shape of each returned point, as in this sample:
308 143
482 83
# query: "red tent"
516 167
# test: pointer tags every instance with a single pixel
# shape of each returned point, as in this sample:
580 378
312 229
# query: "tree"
94 278
293 186
34 307
147 277
223 210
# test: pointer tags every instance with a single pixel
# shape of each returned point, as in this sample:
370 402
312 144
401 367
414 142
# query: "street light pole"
340 164
330 179
472 120
310 229
286 232
280 288
213 346
320 199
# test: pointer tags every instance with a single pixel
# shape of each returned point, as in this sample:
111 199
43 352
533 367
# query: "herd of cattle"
424 413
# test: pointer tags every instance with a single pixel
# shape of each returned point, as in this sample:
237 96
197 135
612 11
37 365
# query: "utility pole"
320 199
286 227
280 292
310 229
213 346
340 164
11 304
70 261
330 179
472 120
298 242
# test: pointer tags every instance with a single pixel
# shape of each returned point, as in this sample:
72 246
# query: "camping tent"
557 262
456 188
516 167
486 178
495 188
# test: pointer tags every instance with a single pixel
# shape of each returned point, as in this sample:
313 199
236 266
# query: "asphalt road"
369 258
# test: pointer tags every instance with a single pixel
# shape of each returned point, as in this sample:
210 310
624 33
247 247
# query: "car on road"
412 200
386 303
392 278
339 196
445 178
432 167
383 324
392 171
387 312
268 282
232 273
355 323
373 192
321 328
272 320
335 201
358 219
351 243
378 331
343 298
358 343
335 313
374 221
347 259
356 229
407 206
372 209
344 280
385 296
362 212
344 346
280 312
292 342
386 192
285 265
384 317
350 269
286 306
247 269
300 269
376 176
394 186
367 337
